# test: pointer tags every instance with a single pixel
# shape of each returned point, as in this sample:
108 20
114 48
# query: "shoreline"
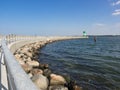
27 56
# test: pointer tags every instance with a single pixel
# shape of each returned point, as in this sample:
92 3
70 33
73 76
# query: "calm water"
94 66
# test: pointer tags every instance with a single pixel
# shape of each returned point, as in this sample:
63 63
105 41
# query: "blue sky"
60 17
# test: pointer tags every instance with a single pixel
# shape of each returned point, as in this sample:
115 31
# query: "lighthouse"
84 34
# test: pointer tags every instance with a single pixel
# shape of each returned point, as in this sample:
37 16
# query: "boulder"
29 59
26 67
33 63
21 55
43 66
76 87
36 52
47 72
21 62
73 86
57 87
57 80
28 54
46 66
30 75
17 56
24 49
25 57
40 81
36 71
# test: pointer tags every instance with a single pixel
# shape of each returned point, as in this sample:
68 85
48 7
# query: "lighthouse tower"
84 34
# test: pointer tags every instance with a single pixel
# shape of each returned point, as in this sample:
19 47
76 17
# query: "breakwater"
40 74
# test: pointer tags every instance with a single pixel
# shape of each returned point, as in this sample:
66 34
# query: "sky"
60 17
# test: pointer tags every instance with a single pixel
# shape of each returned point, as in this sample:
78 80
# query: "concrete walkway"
3 73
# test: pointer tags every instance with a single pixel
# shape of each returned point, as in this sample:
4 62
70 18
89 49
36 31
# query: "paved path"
3 74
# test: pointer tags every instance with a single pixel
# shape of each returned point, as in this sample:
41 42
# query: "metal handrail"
0 65
17 78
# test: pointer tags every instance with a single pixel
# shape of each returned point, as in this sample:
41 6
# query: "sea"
93 65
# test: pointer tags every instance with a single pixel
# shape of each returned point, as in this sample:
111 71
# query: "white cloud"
99 24
116 12
116 3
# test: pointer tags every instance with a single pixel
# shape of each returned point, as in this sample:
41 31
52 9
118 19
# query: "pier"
12 76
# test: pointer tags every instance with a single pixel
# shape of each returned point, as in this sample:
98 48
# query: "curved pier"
12 76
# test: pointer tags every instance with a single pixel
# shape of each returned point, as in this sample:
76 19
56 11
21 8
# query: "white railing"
16 76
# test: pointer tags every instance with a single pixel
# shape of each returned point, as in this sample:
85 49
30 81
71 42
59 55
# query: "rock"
70 85
28 54
40 81
26 67
25 57
34 57
76 87
73 86
36 71
57 80
17 56
21 55
33 63
47 72
18 51
57 87
30 75
21 62
43 66
46 66
29 59
66 77
25 48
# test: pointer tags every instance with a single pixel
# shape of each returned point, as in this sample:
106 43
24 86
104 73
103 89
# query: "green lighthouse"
84 34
